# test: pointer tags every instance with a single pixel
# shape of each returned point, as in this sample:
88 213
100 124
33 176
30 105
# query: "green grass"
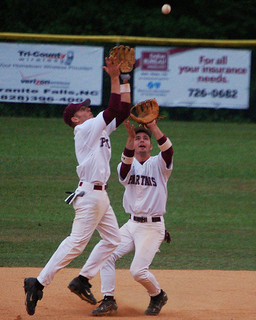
211 204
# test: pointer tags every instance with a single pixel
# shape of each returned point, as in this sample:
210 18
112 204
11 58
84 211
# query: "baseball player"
145 180
90 200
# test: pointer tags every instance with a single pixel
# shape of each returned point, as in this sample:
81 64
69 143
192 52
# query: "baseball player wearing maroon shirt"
145 180
90 200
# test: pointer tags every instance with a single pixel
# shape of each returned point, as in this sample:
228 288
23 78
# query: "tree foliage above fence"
216 19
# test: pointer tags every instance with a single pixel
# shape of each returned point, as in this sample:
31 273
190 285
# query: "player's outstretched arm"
114 104
131 135
125 91
153 127
164 143
128 154
125 88
113 70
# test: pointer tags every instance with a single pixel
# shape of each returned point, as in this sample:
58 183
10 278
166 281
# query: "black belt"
145 219
96 186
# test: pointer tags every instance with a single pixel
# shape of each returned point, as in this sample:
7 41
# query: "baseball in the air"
166 9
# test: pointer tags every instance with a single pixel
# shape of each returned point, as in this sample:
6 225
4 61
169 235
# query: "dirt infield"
193 295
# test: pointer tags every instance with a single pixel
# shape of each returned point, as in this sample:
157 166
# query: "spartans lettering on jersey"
104 142
142 180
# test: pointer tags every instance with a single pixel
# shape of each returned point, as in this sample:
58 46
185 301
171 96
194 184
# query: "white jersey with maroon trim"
93 149
146 187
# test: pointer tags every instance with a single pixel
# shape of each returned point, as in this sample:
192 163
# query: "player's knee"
112 244
77 245
116 240
112 260
138 273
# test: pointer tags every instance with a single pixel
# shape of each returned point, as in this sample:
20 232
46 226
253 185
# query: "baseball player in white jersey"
90 200
145 180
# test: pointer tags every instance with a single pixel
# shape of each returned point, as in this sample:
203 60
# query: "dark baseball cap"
143 129
72 108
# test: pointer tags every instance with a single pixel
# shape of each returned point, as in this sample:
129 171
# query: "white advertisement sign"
193 77
52 74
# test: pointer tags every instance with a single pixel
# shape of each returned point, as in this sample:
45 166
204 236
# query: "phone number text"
39 99
215 93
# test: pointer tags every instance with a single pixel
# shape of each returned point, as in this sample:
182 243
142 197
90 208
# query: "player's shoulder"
158 161
84 129
155 158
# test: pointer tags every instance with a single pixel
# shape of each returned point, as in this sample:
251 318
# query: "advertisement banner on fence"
52 74
193 77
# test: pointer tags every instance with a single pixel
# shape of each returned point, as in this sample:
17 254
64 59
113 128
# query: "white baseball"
166 9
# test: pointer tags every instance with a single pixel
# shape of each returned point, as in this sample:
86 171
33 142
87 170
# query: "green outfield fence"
8 109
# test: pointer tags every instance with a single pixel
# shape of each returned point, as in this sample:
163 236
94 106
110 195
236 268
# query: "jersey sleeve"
125 181
111 126
166 147
166 171
123 114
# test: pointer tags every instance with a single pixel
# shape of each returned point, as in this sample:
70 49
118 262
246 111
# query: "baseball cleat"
82 290
156 304
33 294
108 305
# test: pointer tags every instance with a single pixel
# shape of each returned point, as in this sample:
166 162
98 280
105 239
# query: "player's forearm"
127 159
125 91
120 110
115 85
165 146
130 144
124 112
158 134
113 108
125 88
126 97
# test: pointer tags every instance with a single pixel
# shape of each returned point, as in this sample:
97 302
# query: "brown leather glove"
124 54
145 111
167 236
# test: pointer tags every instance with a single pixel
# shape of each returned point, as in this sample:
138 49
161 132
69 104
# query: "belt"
96 186
145 219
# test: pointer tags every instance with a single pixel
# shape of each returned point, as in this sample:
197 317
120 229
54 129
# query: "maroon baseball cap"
72 108
143 129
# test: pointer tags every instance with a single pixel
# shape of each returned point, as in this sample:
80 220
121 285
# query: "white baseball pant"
92 211
145 239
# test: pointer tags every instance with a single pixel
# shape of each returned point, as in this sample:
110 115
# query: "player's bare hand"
129 129
111 67
151 125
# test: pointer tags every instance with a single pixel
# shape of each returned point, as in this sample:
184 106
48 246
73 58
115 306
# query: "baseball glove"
167 236
124 54
145 111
